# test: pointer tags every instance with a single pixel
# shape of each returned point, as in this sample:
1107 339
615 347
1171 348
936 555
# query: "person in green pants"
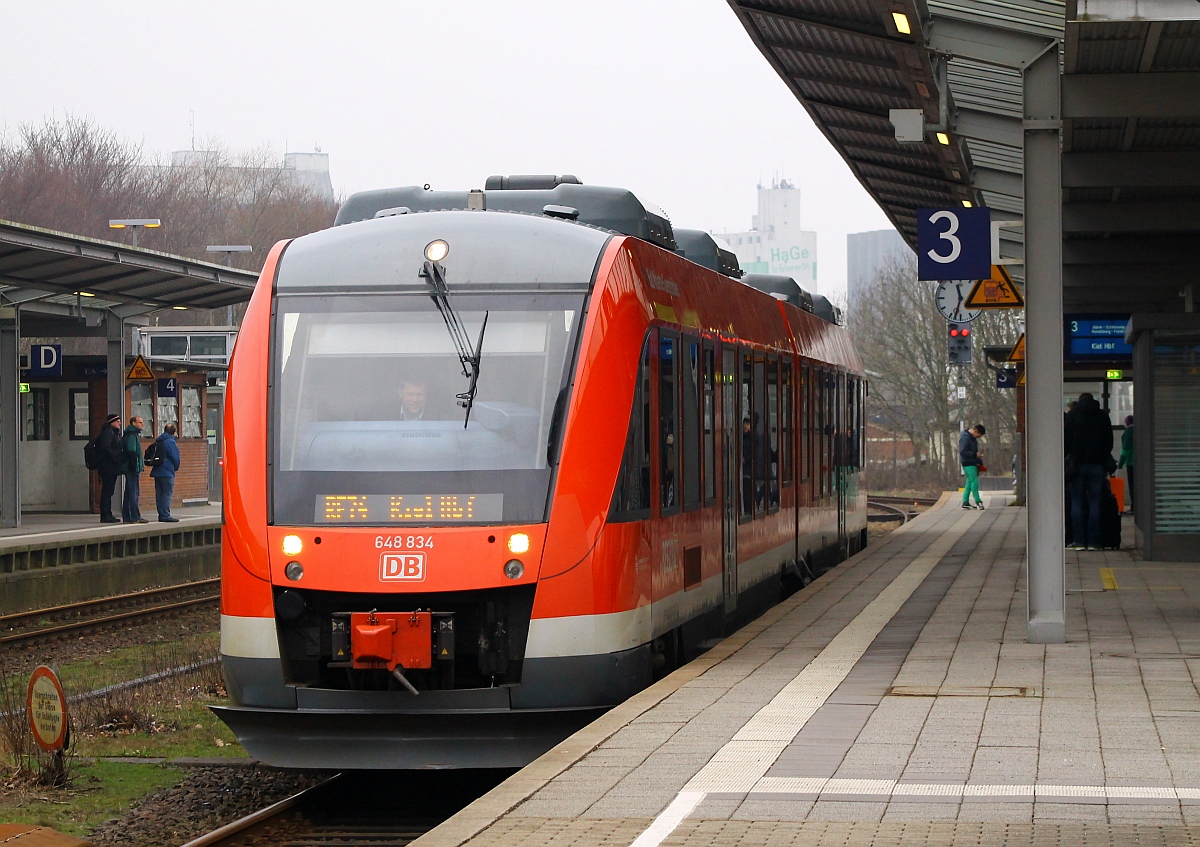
971 459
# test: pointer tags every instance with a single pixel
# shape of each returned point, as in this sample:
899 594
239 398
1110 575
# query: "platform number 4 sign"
954 244
168 387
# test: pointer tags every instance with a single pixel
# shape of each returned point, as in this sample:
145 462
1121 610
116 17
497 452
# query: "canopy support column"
115 327
10 419
1042 131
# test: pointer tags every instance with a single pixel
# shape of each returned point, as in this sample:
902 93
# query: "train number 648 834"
404 542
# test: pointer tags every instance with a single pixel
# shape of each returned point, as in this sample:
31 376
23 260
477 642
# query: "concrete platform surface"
895 701
43 527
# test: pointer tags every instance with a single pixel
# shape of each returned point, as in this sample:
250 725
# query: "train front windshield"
369 425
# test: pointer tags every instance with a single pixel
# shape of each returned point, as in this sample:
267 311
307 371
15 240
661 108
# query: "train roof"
614 209
485 252
698 246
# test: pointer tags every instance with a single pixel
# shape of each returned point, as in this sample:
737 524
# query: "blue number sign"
168 387
954 244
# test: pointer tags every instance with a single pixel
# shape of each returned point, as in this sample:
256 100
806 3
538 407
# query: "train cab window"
771 458
786 426
631 500
690 449
821 464
709 424
668 423
746 410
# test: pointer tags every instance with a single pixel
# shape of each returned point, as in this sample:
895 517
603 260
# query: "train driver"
412 399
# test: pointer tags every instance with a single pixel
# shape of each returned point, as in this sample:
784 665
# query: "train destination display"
408 508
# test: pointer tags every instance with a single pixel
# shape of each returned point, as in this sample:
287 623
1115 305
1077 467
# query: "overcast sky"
666 97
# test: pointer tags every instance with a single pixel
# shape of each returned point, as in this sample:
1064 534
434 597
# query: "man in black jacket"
112 459
1087 432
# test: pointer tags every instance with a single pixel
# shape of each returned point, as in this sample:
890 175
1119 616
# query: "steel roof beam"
1132 250
1127 276
1131 169
1156 216
845 58
982 43
998 182
988 126
1156 95
883 91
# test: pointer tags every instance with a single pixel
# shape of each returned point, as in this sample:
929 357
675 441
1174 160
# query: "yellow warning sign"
1017 353
139 370
997 292
1021 379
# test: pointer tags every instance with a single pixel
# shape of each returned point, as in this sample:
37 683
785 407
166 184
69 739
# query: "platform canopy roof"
50 271
1130 122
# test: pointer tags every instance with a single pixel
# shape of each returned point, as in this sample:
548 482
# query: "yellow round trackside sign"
47 708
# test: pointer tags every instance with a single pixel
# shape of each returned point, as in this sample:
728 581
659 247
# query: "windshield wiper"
468 355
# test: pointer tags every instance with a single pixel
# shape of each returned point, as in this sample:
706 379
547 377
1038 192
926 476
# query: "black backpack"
153 456
91 454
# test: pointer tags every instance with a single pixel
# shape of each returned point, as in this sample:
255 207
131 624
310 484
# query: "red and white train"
497 459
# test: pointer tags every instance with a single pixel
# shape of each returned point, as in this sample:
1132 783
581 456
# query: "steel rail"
227 832
85 605
76 626
916 501
893 512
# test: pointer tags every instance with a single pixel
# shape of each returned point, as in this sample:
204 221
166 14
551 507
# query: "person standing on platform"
1089 442
132 467
163 474
969 456
111 460
1126 461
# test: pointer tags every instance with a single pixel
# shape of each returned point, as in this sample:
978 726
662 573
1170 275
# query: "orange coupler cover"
391 639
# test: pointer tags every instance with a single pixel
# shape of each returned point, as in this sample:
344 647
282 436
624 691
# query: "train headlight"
294 571
514 569
518 543
292 545
437 250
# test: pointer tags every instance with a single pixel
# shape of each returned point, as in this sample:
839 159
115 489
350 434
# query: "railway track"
361 809
902 501
40 624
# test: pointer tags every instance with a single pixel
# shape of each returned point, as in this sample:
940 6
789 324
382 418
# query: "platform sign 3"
954 243
1006 378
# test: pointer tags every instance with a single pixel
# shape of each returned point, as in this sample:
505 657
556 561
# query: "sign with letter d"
45 360
409 567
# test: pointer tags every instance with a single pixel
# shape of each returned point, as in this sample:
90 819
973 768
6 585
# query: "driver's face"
412 397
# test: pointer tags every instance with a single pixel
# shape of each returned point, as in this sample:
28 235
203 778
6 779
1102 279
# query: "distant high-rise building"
309 170
868 253
775 242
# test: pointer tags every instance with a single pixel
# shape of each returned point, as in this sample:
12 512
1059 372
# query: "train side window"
746 411
759 425
691 448
668 422
631 500
772 430
709 424
786 426
822 425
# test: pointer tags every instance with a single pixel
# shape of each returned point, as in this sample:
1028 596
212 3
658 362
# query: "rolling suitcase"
1110 519
1118 491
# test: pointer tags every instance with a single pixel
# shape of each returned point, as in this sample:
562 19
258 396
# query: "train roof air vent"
569 213
783 287
700 247
529 182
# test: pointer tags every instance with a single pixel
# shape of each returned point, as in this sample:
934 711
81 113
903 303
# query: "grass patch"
186 729
99 791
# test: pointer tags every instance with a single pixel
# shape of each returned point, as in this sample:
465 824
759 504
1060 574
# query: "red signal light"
954 333
966 332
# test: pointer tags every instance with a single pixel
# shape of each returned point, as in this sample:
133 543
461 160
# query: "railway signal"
958 343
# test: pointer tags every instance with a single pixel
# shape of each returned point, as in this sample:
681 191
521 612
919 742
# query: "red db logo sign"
402 566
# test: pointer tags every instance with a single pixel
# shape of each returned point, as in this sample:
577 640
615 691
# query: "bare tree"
74 176
913 387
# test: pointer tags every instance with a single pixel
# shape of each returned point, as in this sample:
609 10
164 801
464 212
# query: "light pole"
135 224
229 250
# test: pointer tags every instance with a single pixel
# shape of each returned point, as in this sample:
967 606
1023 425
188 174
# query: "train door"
730 475
841 458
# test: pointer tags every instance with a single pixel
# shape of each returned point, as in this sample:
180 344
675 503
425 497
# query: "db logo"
407 566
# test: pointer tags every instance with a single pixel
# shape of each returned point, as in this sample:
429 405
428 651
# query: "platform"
63 558
896 701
